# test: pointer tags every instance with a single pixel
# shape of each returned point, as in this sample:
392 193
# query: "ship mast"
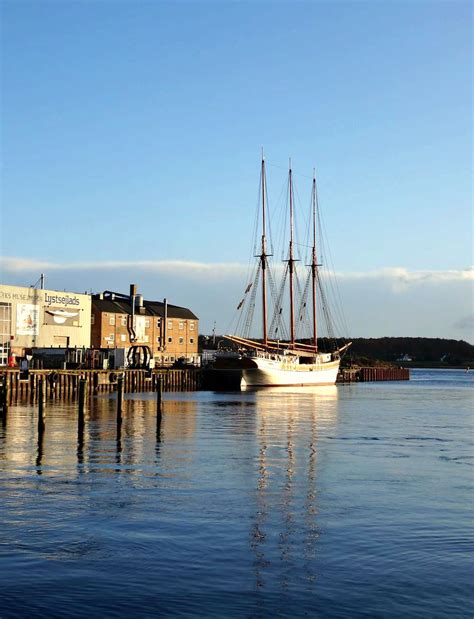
263 256
314 266
291 264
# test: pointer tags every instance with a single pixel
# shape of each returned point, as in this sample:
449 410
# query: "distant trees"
418 349
394 350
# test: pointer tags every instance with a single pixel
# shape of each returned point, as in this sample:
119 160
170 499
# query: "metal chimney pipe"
165 322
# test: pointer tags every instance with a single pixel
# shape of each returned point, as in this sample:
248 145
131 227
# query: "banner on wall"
27 319
60 316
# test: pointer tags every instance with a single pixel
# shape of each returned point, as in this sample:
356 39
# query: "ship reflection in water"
275 502
289 420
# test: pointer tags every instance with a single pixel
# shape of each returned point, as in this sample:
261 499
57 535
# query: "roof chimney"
133 291
139 304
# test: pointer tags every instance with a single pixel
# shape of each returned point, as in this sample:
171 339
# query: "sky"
132 134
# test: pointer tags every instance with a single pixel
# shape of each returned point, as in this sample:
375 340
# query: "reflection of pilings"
3 398
80 421
39 453
119 399
159 405
82 399
80 445
118 444
41 403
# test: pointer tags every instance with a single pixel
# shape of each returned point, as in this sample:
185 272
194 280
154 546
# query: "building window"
147 323
123 338
92 319
181 340
191 340
112 319
170 339
181 326
158 340
123 321
191 326
170 324
146 338
111 337
5 331
158 323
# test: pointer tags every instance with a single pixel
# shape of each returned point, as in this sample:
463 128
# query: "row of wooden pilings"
363 375
64 384
20 386
82 396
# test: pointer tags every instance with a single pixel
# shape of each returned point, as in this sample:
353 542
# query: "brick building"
122 321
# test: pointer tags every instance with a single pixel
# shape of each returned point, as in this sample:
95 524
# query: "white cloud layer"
222 270
385 302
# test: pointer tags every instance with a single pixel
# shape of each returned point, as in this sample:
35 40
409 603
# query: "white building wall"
33 318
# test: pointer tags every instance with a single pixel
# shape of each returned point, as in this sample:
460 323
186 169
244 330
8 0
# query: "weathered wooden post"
119 399
41 403
82 399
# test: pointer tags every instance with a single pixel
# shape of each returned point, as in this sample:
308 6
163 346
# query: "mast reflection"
290 420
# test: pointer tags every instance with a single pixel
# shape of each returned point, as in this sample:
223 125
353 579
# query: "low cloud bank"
392 302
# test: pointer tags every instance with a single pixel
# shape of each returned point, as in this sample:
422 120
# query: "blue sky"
131 132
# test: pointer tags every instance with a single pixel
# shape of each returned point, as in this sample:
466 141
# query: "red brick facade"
115 325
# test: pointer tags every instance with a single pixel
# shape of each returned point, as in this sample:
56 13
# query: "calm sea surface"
348 501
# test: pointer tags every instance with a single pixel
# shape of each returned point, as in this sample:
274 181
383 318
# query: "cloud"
189 269
393 301
466 323
400 275
177 268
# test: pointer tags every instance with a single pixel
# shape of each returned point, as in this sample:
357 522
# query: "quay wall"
364 375
64 384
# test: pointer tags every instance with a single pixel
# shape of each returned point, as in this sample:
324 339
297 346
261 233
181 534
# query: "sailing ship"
269 361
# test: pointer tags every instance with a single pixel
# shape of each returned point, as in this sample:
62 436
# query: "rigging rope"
251 305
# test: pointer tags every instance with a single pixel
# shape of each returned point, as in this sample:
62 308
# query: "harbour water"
347 501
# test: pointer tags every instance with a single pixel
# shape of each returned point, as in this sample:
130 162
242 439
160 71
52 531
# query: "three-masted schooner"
269 362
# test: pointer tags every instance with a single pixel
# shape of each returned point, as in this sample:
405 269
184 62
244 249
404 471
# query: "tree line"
396 350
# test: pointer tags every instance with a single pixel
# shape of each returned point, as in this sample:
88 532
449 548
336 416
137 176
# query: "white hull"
269 373
260 370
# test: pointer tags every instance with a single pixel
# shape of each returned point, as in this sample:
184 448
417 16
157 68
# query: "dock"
372 374
64 384
22 386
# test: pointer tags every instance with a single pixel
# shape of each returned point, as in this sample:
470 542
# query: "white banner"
27 319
